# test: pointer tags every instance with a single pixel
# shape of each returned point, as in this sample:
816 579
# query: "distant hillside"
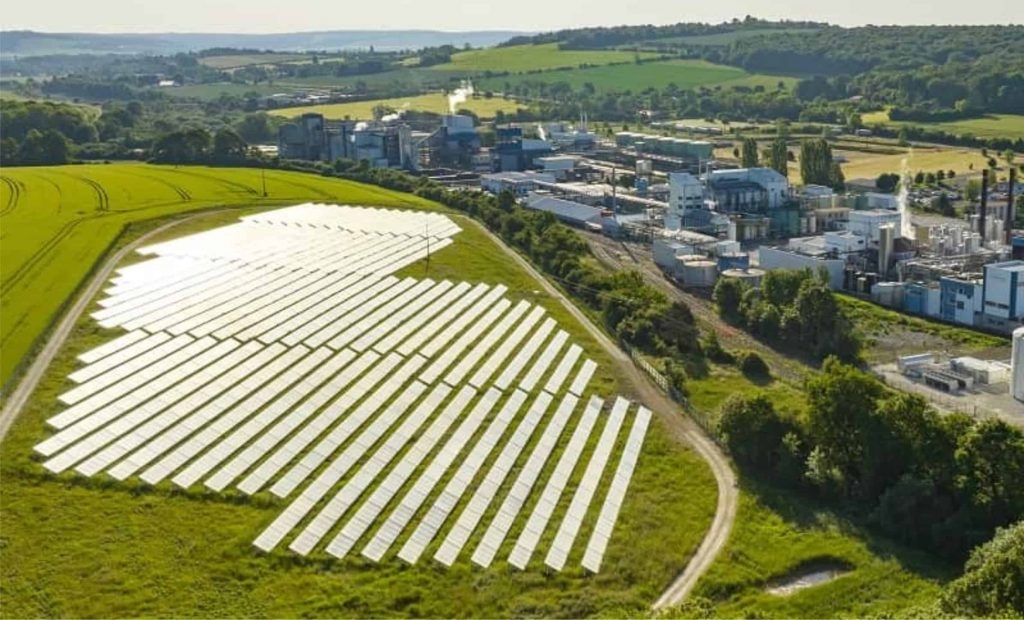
30 43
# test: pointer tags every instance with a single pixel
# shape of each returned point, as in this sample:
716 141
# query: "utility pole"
263 177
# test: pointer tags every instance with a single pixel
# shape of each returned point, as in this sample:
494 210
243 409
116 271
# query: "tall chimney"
1008 222
984 204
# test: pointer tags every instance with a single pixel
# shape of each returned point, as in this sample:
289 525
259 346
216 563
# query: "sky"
264 16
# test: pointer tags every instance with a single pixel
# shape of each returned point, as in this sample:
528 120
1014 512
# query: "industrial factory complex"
705 219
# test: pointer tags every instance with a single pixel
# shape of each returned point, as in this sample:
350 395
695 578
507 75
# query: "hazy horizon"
267 17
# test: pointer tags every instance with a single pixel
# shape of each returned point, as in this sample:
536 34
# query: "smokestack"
984 204
1008 222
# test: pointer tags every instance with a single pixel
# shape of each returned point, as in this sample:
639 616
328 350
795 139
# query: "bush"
753 365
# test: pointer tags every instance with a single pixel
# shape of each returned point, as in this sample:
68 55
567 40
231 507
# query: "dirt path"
21 393
682 429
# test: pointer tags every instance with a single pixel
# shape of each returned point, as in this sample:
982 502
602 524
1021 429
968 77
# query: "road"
681 428
20 395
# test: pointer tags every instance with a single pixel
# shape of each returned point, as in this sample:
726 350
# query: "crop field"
434 102
1009 126
522 58
56 223
861 165
686 74
506 406
235 61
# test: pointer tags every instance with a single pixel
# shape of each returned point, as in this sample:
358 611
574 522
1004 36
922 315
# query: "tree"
944 206
727 295
887 182
993 581
749 158
506 200
8 152
229 147
817 166
973 190
255 128
188 146
49 148
752 430
780 156
841 398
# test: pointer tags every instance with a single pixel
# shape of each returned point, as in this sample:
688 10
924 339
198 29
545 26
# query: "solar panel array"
396 416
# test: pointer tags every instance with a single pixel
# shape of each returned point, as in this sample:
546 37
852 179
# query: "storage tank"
733 260
889 294
699 273
752 276
1017 365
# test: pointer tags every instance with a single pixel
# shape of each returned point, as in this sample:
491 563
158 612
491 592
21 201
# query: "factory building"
867 224
560 166
569 212
1004 290
686 195
520 183
960 300
779 258
665 145
512 152
748 190
456 142
313 138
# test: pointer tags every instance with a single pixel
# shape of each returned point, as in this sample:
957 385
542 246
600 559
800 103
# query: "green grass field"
434 102
521 58
1009 126
234 61
55 223
685 74
76 546
777 534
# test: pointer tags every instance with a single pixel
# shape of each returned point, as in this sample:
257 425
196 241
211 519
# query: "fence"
700 417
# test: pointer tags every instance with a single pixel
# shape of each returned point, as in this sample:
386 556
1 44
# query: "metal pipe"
1008 222
984 204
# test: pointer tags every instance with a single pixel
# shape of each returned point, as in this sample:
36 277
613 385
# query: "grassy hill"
434 102
989 126
76 546
686 74
522 58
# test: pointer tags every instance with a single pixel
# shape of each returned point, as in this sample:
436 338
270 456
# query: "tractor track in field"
177 189
242 187
15 188
43 250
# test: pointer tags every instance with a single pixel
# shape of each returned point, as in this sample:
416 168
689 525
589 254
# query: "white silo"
1017 365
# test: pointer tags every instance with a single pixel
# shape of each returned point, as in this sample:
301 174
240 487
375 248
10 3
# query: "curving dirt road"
681 427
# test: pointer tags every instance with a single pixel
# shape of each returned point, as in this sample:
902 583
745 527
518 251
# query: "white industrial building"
1004 290
520 183
748 189
685 193
776 258
868 223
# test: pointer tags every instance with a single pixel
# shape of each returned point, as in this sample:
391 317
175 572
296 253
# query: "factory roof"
564 209
1010 265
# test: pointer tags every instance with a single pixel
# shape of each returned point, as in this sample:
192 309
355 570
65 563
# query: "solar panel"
616 493
498 529
559 551
484 494
542 511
